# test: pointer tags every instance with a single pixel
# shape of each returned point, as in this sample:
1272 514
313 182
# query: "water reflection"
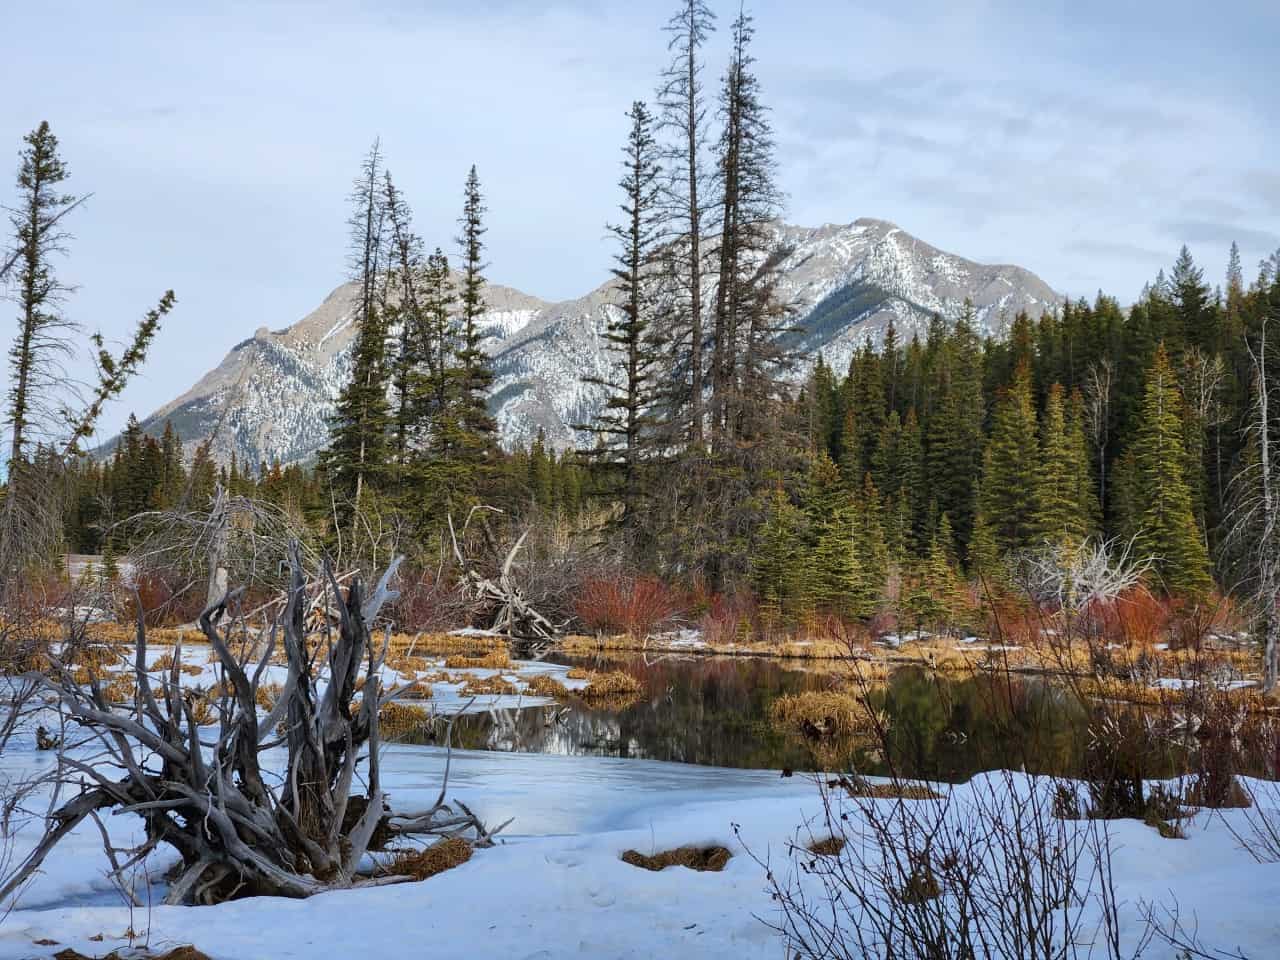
715 711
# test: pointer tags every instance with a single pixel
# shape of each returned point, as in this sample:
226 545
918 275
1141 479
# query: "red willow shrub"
430 603
625 604
729 618
162 604
1138 618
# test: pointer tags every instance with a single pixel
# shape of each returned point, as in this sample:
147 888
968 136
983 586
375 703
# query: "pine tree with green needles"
1061 514
1086 494
358 455
984 551
886 465
941 578
683 114
870 550
834 571
778 550
409 365
541 472
866 415
932 600
479 430
626 429
1168 531
954 427
823 494
912 489
1010 467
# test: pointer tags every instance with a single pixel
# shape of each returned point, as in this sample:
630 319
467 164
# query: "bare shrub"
626 603
986 870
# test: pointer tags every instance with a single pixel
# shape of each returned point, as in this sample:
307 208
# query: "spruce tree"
1168 532
954 428
357 456
1060 510
775 559
1010 467
478 429
746 358
835 573
42 329
870 549
410 365
626 426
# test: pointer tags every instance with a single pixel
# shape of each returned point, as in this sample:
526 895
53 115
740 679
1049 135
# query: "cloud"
1222 235
220 140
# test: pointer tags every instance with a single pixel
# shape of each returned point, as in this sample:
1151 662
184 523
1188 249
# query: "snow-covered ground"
556 887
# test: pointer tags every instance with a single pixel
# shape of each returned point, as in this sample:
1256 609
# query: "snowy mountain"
270 397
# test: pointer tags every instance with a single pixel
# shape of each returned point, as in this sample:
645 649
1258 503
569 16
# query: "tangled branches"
239 829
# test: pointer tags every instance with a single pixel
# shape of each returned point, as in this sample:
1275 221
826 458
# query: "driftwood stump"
239 827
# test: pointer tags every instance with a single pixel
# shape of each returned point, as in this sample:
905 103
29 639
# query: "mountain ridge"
270 397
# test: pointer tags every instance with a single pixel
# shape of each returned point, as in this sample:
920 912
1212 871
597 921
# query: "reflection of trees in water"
715 711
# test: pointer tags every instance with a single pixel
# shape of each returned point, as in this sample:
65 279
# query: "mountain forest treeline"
934 461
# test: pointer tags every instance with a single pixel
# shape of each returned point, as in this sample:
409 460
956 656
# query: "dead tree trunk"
239 828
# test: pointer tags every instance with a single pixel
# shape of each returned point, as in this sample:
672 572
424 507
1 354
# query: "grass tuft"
702 859
437 858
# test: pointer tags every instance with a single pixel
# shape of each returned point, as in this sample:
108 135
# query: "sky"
1086 141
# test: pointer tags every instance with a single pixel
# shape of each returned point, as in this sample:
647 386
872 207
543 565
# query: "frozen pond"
715 711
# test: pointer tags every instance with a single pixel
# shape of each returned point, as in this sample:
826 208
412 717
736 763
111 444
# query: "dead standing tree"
238 829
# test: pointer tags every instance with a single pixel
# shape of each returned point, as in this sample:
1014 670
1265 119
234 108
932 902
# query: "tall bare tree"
1255 521
682 114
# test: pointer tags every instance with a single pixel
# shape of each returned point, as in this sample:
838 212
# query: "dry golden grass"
440 856
614 688
417 690
702 859
165 663
482 686
545 685
494 660
583 645
893 790
444 644
827 847
1129 691
121 688
203 711
397 719
821 713
410 665
266 695
579 673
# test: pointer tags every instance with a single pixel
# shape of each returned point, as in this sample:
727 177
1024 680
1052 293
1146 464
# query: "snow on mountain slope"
271 396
